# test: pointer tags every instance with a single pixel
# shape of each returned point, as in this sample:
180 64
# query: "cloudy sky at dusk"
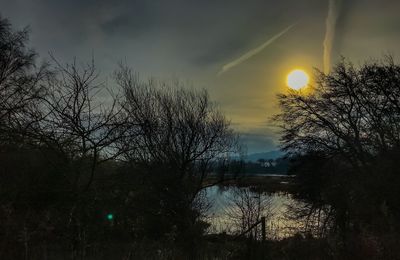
194 40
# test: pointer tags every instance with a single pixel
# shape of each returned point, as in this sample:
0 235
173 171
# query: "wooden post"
263 228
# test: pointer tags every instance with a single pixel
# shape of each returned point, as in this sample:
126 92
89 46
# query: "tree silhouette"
342 135
175 137
171 126
20 83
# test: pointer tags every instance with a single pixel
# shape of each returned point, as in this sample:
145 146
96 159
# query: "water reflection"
235 209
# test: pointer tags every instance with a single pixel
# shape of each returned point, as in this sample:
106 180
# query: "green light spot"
110 216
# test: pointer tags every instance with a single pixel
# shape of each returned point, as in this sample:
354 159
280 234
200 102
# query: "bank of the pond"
266 182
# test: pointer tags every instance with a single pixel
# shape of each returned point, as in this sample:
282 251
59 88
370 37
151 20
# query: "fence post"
263 228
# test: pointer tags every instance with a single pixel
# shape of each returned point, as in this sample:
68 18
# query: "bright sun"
297 79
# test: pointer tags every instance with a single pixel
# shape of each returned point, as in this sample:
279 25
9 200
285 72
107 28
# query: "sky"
240 51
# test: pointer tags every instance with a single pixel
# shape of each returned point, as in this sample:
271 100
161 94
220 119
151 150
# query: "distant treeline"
262 166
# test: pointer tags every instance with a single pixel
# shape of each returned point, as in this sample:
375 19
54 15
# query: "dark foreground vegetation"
88 173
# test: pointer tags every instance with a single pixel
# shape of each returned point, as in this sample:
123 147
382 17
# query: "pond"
234 209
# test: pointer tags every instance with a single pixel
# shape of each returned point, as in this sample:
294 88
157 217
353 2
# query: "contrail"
253 52
331 19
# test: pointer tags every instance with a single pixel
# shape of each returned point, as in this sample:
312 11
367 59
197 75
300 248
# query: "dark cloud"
127 25
132 19
201 32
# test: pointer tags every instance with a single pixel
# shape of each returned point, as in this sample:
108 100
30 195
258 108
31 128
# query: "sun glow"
297 79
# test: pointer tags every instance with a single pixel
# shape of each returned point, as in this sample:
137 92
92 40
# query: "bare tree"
21 89
77 122
340 132
173 126
80 122
20 83
246 208
351 112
